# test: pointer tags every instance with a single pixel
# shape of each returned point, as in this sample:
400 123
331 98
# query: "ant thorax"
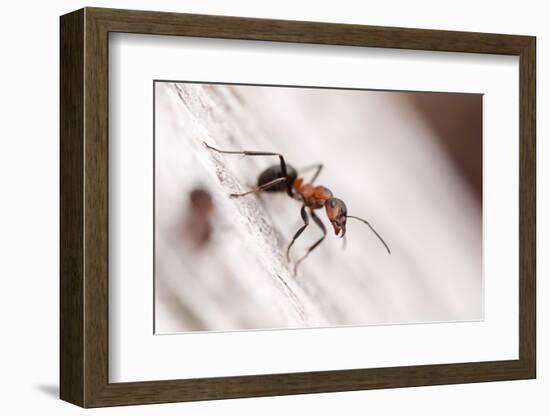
314 196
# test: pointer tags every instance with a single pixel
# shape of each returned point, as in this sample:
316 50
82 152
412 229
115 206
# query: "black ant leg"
260 188
254 153
309 250
317 166
303 213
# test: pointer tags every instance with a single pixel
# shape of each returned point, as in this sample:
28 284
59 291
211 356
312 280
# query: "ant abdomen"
274 172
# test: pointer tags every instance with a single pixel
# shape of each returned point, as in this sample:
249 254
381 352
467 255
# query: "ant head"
337 215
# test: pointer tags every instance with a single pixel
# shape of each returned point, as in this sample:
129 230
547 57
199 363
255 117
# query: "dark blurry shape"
198 226
284 178
457 121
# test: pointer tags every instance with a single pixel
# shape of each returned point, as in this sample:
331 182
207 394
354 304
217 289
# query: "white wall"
29 210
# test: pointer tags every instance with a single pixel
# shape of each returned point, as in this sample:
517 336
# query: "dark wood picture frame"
84 207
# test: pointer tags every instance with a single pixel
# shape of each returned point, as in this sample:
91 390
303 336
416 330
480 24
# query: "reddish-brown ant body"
284 178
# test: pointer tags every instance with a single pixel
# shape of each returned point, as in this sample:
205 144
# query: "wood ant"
284 178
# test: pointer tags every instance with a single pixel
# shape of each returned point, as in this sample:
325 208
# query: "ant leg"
254 153
260 188
318 168
309 250
305 218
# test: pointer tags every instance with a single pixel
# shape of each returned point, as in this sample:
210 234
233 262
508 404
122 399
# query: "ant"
284 178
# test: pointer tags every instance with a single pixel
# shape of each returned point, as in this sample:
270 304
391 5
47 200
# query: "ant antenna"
373 230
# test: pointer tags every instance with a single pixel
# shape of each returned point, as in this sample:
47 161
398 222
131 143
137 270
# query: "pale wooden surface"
380 157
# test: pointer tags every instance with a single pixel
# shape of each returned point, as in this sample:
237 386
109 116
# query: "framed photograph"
256 207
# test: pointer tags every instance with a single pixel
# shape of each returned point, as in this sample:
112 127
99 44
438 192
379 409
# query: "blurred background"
410 163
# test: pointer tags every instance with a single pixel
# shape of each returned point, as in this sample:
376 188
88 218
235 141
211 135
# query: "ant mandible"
284 178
